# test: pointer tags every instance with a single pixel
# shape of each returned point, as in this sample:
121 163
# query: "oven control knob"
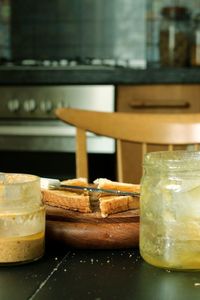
46 106
29 105
60 105
13 105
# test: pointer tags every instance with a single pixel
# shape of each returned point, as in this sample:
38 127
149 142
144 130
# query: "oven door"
49 151
33 140
48 136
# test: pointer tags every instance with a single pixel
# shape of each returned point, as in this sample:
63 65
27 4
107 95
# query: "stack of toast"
85 202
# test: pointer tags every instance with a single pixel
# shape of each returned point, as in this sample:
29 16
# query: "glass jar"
174 41
170 210
22 219
195 47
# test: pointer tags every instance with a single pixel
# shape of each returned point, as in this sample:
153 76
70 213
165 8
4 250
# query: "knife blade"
47 183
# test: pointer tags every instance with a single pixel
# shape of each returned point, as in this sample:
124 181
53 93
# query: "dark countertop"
94 75
96 275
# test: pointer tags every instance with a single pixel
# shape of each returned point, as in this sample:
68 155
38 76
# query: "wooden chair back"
144 129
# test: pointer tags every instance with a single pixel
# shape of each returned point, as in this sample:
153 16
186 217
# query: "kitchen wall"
52 22
153 18
79 28
5 29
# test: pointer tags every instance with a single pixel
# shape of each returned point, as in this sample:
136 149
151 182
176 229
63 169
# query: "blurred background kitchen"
118 55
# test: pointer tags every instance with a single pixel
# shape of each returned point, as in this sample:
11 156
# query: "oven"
33 140
62 35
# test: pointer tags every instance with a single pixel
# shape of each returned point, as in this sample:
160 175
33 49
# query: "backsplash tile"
79 28
5 29
123 28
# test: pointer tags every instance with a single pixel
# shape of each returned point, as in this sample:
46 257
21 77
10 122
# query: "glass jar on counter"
174 41
22 219
170 210
195 44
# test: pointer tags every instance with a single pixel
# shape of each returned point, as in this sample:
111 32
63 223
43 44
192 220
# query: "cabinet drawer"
158 98
152 99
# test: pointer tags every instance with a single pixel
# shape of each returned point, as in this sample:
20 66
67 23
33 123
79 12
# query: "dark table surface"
95 274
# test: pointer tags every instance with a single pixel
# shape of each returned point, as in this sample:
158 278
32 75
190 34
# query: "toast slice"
67 199
87 203
81 181
114 204
103 183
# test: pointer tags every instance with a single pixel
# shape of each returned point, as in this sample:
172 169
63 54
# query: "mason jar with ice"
170 210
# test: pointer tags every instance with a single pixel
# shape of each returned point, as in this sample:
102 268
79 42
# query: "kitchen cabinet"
158 98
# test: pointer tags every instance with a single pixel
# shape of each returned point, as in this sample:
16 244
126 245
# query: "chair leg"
119 162
81 154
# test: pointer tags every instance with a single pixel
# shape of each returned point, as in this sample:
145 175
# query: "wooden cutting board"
91 231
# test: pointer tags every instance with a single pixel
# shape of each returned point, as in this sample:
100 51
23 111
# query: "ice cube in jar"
22 219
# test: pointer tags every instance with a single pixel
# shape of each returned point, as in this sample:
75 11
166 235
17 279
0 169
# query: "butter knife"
49 183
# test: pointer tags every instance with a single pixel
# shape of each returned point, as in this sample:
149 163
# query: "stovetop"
87 63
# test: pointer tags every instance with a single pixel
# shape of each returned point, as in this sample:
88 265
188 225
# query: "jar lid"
175 12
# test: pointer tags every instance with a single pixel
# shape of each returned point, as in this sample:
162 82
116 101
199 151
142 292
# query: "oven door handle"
38 131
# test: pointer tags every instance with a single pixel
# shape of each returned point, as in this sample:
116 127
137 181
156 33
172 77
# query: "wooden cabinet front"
153 99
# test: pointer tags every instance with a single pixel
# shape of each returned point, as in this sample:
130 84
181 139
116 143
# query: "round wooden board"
91 231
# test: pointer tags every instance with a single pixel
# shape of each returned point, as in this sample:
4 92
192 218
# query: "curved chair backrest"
161 129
